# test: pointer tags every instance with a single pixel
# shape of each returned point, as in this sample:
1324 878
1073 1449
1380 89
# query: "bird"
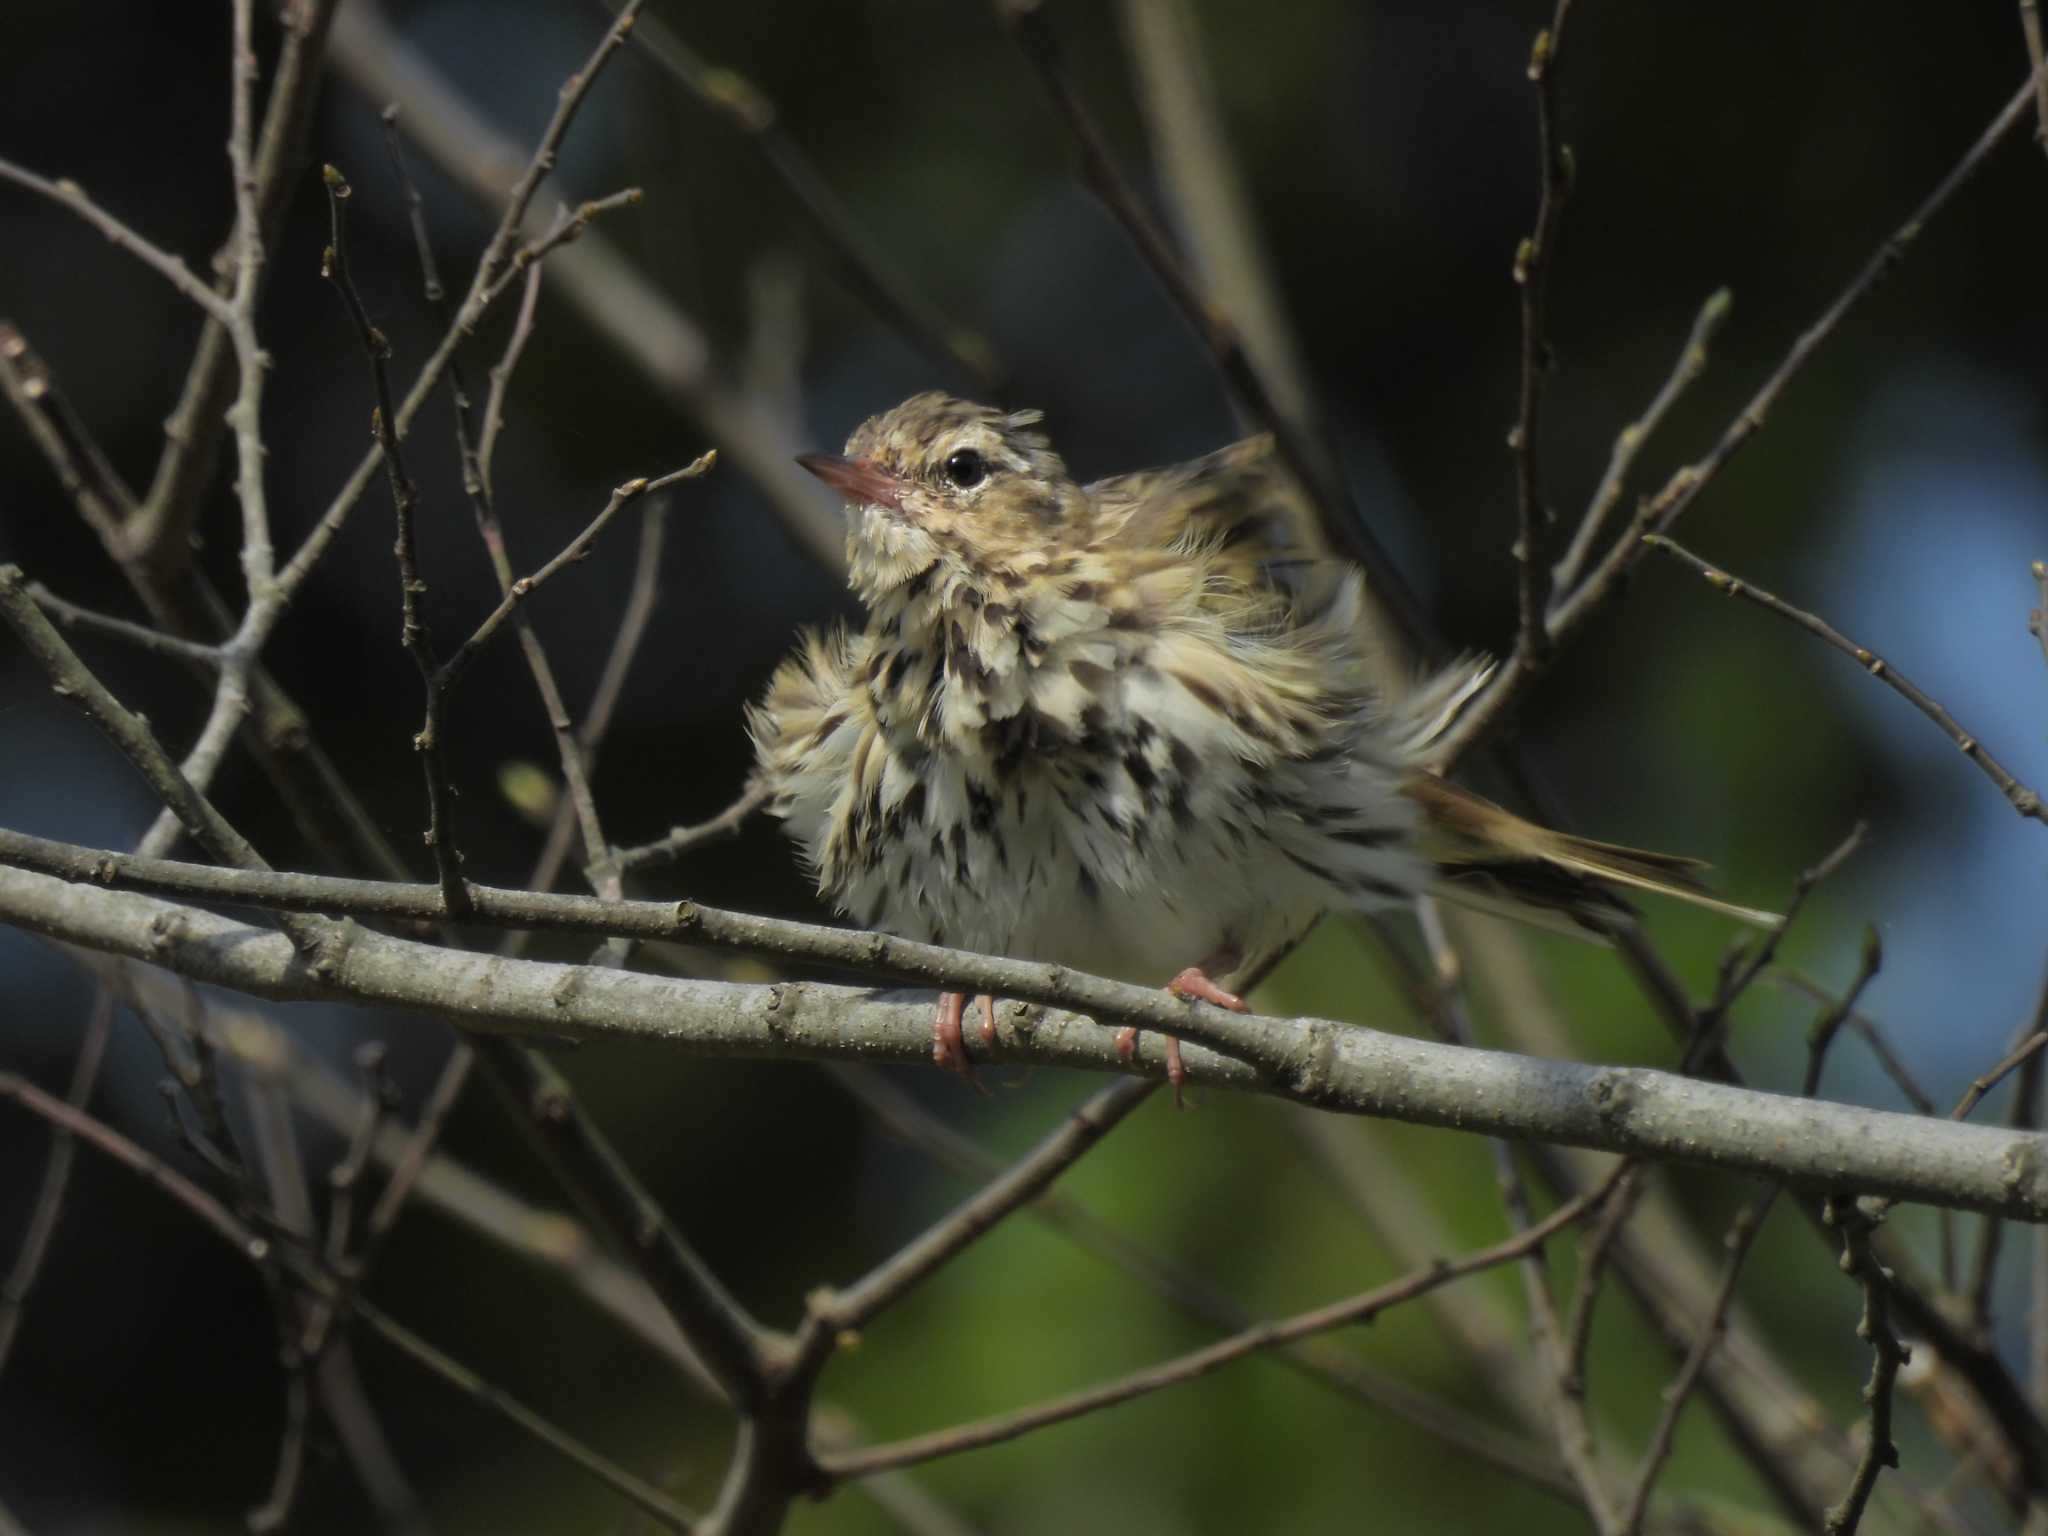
1134 727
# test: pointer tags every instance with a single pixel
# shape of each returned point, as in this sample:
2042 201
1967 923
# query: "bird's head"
947 496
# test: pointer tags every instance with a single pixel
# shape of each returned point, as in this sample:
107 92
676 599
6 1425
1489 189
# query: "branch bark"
1344 1068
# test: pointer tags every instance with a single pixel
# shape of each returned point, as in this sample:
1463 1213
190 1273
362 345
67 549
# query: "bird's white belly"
1135 893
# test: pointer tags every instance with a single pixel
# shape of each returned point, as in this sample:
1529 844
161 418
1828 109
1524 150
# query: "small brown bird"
1127 726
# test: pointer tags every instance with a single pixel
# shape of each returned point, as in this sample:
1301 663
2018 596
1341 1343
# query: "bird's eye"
966 469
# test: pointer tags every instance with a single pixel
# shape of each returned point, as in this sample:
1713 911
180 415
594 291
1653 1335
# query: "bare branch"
668 348
1661 512
413 634
69 194
451 671
71 681
1982 1085
87 476
741 105
1692 362
153 640
1345 1068
644 1496
1310 465
2030 28
1887 1355
1821 1033
681 840
1022 1183
1741 1237
42 1221
597 716
2037 619
160 537
1201 1362
2024 800
139 1160
903 1118
1532 275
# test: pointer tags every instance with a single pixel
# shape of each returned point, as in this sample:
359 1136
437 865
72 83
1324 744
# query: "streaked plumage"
1127 726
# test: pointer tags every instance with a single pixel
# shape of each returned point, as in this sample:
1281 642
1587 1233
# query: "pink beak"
858 480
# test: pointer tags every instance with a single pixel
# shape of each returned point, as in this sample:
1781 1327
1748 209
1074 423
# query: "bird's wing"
1238 509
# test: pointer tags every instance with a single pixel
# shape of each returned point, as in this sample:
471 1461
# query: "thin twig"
1347 532
101 1137
484 287
1189 142
1016 1187
73 682
2037 1308
42 1221
2026 1058
896 299
1532 275
419 1146
1201 1362
1887 1355
1595 1251
486 450
244 1239
159 535
622 496
2024 800
2037 619
604 698
69 194
87 475
1888 1059
414 635
2030 28
903 1118
1980 1086
567 229
1692 362
275 1512
153 640
1559 1364
1740 1239
728 1340
681 840
1661 512
1821 1033
478 452
1743 967
644 1496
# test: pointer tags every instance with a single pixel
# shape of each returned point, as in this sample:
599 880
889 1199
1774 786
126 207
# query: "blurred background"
1388 150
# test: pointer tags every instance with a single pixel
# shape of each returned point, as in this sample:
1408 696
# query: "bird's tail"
1490 858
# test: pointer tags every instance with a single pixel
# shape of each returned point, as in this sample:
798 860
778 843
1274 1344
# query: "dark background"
1389 148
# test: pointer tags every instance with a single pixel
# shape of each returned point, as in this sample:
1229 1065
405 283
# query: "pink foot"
1193 983
988 1020
949 1044
1176 1069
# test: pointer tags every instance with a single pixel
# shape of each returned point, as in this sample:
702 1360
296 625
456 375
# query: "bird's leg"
1193 983
949 1050
949 1044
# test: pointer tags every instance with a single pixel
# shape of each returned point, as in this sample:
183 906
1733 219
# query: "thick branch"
1333 1066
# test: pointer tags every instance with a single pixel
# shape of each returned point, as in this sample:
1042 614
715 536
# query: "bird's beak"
858 480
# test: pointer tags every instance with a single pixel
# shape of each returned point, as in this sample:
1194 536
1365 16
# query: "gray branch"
1345 1068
